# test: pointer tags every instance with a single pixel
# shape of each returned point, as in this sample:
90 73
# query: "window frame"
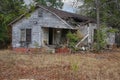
23 36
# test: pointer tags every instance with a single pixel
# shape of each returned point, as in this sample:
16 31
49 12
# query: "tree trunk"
98 25
98 14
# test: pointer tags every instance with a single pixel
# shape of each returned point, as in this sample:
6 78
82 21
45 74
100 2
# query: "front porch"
54 37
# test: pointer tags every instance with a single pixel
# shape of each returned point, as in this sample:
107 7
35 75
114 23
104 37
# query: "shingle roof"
67 15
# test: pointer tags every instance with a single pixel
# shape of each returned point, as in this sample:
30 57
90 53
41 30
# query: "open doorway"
50 36
117 39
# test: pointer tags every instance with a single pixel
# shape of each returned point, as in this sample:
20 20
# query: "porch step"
51 46
50 49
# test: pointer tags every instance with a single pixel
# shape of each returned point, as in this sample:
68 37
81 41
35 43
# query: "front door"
50 36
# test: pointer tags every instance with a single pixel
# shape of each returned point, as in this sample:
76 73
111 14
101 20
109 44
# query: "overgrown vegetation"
104 66
101 37
9 10
73 38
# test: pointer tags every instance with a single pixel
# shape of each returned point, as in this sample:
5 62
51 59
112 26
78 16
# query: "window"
22 35
25 35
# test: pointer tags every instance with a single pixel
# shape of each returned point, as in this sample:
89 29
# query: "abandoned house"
48 26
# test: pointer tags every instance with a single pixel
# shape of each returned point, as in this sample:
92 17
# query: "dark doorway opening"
50 36
95 35
117 39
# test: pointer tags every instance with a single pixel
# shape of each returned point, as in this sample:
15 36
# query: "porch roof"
60 27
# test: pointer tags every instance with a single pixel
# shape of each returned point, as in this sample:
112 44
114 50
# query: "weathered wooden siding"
111 38
84 30
36 33
88 29
45 32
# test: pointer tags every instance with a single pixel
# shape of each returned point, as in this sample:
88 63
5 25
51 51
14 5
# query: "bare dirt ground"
80 66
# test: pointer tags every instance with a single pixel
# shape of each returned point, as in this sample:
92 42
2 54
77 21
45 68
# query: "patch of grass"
103 66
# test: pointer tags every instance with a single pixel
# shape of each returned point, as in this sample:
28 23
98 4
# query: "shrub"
72 40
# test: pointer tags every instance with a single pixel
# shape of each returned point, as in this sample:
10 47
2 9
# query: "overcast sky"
28 1
68 5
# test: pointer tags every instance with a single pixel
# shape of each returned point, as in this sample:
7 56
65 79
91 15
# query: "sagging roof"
67 15
62 14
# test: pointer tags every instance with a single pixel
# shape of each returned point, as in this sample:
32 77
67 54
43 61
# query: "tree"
108 9
9 10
